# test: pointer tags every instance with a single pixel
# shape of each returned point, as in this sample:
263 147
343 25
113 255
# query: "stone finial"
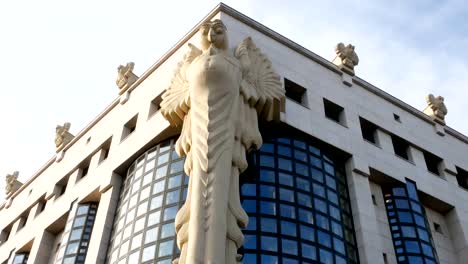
346 58
62 136
125 76
12 183
436 108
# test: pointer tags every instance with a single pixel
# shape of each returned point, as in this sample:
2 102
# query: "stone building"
346 174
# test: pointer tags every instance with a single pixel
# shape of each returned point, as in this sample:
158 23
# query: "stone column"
42 248
365 219
457 222
103 224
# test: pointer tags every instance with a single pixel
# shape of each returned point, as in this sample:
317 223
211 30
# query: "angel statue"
436 107
216 95
62 135
346 58
125 76
12 183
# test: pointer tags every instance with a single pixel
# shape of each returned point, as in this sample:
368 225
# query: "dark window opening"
42 206
295 92
396 117
374 201
129 127
369 130
334 111
401 147
83 169
5 234
437 228
432 162
61 187
462 178
22 221
105 149
155 105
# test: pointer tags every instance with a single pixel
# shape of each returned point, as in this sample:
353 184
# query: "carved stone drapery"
217 96
346 58
125 77
436 108
62 136
12 183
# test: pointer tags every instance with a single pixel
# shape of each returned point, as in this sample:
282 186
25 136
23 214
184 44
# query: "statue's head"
214 33
440 98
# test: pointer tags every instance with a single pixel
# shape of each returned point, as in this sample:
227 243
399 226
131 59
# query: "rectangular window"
295 92
462 178
61 187
22 221
334 111
401 147
432 162
155 105
5 234
129 127
41 204
369 130
105 148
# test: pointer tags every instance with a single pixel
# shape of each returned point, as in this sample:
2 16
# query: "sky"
58 59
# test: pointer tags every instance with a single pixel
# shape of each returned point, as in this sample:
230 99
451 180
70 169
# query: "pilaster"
365 219
42 248
103 224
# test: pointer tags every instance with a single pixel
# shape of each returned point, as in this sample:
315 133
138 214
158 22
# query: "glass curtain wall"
151 195
77 233
410 230
296 197
298 206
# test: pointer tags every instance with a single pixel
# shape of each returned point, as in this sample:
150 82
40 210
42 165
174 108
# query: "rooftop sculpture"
125 76
62 136
217 96
436 108
12 183
346 58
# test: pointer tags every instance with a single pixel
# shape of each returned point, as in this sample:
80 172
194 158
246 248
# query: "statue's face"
216 35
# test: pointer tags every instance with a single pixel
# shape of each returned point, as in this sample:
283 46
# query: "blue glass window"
309 252
289 246
268 225
314 222
288 228
269 243
409 229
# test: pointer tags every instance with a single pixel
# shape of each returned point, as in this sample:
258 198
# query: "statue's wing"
340 48
175 100
261 86
430 99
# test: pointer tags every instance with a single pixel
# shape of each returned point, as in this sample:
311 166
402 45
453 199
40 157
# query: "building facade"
350 174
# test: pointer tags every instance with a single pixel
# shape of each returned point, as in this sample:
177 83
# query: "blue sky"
58 59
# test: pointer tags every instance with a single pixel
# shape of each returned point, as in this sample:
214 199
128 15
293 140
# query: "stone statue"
125 76
62 136
12 183
216 96
346 58
436 108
